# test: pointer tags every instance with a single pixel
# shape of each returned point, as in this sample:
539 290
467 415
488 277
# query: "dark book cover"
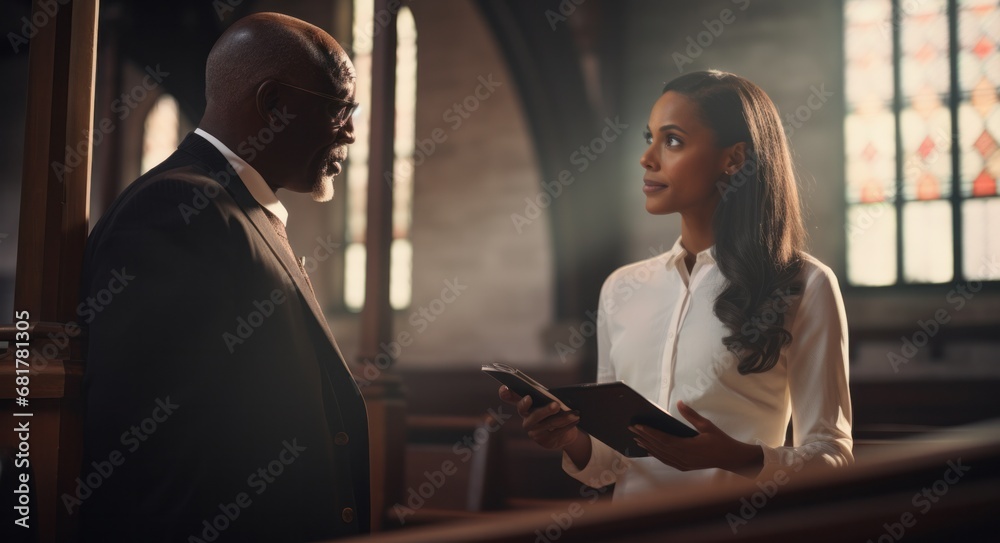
606 409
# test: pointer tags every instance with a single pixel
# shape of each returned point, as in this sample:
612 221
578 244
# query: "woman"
736 326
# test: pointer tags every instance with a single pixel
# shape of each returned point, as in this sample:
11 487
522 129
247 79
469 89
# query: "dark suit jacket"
218 404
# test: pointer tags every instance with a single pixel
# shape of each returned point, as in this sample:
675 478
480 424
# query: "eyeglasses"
338 109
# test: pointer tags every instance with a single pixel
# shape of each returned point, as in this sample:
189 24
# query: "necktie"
279 228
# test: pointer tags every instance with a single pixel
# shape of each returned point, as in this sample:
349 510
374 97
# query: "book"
606 410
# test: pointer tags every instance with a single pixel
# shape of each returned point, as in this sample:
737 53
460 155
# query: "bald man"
218 405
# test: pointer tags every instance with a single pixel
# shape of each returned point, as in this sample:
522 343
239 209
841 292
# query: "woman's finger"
562 420
552 439
509 396
536 416
654 436
523 406
699 422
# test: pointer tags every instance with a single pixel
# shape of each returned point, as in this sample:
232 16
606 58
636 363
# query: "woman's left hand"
711 448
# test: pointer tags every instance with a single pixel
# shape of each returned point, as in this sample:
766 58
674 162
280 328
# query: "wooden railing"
942 488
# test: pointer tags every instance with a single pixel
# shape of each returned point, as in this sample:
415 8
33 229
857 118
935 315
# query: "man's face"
314 145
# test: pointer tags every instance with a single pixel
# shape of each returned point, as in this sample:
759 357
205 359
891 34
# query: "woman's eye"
648 137
673 141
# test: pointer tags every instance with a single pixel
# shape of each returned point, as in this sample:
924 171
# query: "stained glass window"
401 252
921 140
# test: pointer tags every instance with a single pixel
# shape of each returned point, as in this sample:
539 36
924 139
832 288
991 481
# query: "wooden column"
52 233
386 408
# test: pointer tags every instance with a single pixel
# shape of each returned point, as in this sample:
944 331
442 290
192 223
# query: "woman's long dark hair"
758 225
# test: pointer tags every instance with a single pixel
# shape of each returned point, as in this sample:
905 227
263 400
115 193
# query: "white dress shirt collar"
678 252
255 183
675 258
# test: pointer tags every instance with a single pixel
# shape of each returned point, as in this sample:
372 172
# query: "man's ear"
267 99
734 157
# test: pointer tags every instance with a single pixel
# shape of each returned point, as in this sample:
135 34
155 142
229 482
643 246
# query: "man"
218 405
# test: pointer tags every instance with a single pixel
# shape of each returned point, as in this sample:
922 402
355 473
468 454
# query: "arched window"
922 132
401 255
160 132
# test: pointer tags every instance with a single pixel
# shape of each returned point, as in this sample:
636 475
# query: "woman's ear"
267 99
734 157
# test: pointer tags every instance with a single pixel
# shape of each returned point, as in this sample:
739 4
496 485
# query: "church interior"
511 189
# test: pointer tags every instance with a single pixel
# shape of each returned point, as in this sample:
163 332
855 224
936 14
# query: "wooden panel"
56 174
385 401
52 234
945 402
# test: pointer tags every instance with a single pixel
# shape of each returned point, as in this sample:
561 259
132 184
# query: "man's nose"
346 133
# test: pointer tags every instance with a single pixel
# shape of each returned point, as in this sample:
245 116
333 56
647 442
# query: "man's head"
280 92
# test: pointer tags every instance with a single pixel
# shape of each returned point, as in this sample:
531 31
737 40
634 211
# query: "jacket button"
340 438
347 514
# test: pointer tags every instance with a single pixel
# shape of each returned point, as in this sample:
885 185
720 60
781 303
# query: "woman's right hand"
548 425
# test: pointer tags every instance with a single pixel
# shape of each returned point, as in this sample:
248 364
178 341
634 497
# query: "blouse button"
347 515
340 438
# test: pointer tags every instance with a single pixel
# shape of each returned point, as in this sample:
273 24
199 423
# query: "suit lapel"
214 163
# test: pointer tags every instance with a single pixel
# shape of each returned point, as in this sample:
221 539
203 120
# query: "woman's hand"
711 448
552 428
548 425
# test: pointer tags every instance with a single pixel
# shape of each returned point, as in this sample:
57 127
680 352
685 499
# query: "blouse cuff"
774 461
811 455
603 468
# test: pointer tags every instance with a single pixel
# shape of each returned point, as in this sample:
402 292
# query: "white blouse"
657 332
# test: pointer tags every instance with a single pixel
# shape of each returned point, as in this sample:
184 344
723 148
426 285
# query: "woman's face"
683 164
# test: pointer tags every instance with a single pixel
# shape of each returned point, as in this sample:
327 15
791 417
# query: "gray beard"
322 189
